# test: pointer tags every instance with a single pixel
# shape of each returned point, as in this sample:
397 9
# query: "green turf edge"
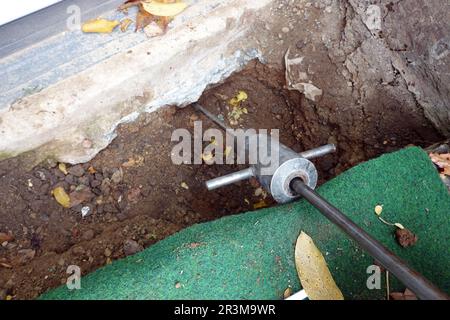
250 256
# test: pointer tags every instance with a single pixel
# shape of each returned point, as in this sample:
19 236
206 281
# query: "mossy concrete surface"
251 256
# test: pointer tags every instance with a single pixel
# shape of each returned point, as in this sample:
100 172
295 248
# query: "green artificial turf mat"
251 256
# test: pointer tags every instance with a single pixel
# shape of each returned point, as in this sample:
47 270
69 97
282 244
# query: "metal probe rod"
409 277
211 116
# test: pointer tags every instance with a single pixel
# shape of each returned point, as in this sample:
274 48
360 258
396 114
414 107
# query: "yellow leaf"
241 96
260 204
62 167
61 197
160 9
99 26
313 272
184 185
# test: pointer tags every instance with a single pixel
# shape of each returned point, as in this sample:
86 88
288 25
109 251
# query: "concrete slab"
96 82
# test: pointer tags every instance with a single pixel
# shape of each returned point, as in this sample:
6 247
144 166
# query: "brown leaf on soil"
405 237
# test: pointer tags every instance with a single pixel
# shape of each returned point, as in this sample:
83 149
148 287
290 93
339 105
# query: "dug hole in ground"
320 72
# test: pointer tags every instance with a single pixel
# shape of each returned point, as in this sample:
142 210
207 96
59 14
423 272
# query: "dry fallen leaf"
184 185
62 167
240 96
287 293
405 237
99 26
61 197
162 9
313 272
236 109
260 204
442 161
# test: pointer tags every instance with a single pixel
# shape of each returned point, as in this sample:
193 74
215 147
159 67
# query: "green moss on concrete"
251 256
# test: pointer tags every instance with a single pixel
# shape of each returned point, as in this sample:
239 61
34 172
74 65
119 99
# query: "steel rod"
318 152
229 179
409 277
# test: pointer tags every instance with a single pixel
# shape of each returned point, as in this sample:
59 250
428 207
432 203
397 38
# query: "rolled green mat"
251 255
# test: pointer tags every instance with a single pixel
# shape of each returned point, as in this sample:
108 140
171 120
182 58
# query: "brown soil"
149 202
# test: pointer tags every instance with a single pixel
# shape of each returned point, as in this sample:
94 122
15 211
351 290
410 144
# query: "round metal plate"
293 168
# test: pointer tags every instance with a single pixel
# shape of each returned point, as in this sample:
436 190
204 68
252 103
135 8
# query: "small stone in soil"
117 176
405 237
88 235
70 179
107 252
84 180
77 250
85 211
131 247
25 256
100 208
111 208
76 170
96 183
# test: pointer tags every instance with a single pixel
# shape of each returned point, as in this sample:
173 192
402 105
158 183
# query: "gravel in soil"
132 195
